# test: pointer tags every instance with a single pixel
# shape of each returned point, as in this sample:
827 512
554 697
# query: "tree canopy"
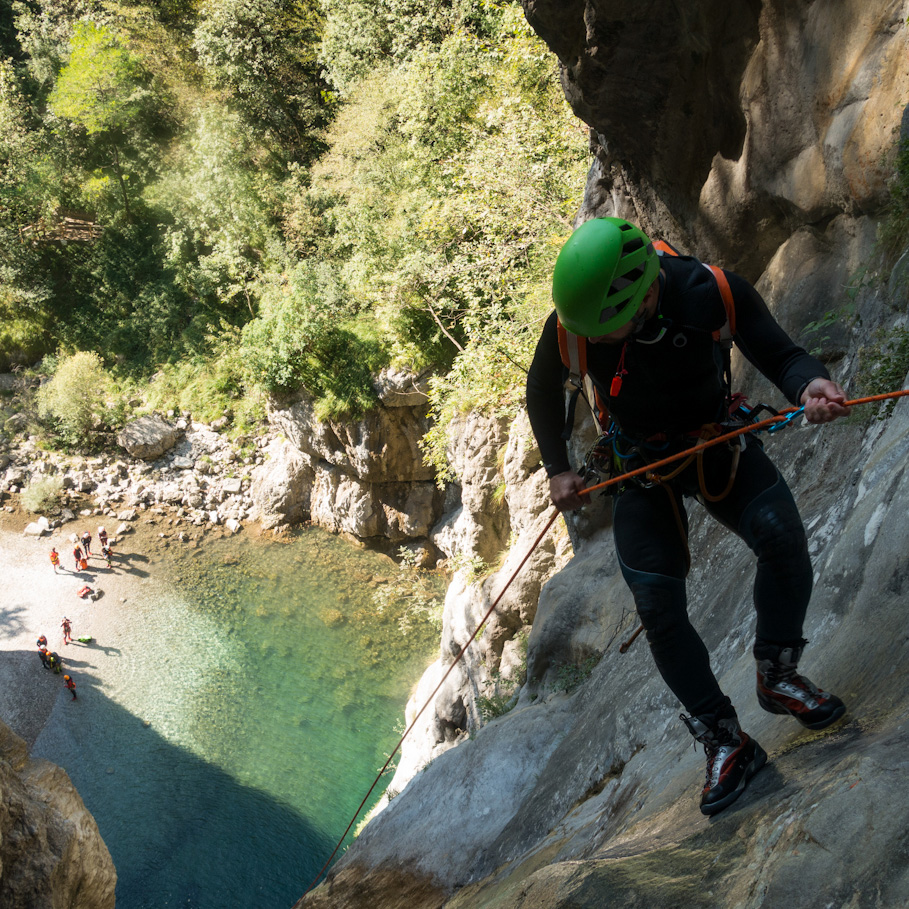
282 192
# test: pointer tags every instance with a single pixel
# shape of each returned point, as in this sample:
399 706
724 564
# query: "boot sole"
760 758
773 707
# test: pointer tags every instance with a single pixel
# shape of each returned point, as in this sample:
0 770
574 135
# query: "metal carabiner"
776 427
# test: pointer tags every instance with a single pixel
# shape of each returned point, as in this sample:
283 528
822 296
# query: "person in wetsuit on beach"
645 324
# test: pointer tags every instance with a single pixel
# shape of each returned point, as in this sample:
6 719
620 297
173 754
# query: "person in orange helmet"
71 685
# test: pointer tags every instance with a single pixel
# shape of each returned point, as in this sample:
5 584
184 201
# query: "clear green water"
248 700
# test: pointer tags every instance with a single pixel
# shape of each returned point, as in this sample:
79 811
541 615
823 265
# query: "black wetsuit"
673 385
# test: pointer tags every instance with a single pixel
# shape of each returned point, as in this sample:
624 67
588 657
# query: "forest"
204 202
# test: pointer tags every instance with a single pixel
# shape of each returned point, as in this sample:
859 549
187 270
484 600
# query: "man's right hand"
564 489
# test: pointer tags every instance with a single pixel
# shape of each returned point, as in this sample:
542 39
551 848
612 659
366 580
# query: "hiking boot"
732 759
780 689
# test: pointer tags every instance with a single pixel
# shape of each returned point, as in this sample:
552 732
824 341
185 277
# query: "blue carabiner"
776 427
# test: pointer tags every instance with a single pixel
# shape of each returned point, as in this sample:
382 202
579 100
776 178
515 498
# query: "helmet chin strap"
643 315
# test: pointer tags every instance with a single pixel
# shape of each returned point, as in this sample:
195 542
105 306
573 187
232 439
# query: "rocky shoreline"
202 481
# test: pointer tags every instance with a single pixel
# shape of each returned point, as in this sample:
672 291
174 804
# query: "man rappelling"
645 337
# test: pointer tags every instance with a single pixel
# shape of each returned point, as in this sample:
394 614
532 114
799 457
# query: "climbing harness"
785 417
573 351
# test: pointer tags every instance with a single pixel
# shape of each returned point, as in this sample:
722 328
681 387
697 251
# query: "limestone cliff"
759 135
51 853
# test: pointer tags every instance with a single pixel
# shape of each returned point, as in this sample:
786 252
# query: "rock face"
741 120
757 135
363 477
51 854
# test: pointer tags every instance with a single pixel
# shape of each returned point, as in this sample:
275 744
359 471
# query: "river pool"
249 697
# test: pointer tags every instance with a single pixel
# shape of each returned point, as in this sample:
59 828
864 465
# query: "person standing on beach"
87 543
55 558
106 552
102 537
42 652
77 555
67 630
71 685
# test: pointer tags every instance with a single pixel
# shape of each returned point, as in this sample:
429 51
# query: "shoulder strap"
724 335
573 350
574 354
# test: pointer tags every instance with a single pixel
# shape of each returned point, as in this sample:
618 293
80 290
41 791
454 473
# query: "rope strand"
751 427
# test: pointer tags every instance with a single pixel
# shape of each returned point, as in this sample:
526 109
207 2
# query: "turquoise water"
248 702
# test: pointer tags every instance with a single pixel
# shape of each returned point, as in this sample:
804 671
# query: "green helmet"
601 276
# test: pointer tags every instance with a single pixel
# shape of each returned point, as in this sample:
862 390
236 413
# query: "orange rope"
435 691
751 427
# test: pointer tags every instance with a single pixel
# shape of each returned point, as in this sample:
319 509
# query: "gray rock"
399 388
148 437
281 487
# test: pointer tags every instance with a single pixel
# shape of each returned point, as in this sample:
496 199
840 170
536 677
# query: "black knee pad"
774 530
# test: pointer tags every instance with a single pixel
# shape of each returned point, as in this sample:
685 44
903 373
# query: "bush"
41 495
73 400
894 231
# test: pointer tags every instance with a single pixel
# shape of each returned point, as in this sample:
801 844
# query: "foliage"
894 231
104 90
73 400
209 385
220 228
502 694
570 676
415 591
309 336
228 252
41 494
101 86
264 52
884 365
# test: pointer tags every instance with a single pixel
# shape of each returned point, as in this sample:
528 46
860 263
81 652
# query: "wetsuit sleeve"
546 400
765 344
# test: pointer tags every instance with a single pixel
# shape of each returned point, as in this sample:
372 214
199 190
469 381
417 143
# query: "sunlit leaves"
102 86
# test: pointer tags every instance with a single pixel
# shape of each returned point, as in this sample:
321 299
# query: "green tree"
103 89
264 52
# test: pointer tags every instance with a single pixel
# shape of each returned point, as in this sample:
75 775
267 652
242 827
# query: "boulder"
148 437
51 853
281 486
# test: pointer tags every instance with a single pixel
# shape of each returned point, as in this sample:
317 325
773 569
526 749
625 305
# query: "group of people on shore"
52 661
82 551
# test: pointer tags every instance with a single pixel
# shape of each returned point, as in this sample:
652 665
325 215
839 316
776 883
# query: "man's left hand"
824 400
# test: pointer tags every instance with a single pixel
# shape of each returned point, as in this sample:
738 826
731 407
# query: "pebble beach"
36 599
